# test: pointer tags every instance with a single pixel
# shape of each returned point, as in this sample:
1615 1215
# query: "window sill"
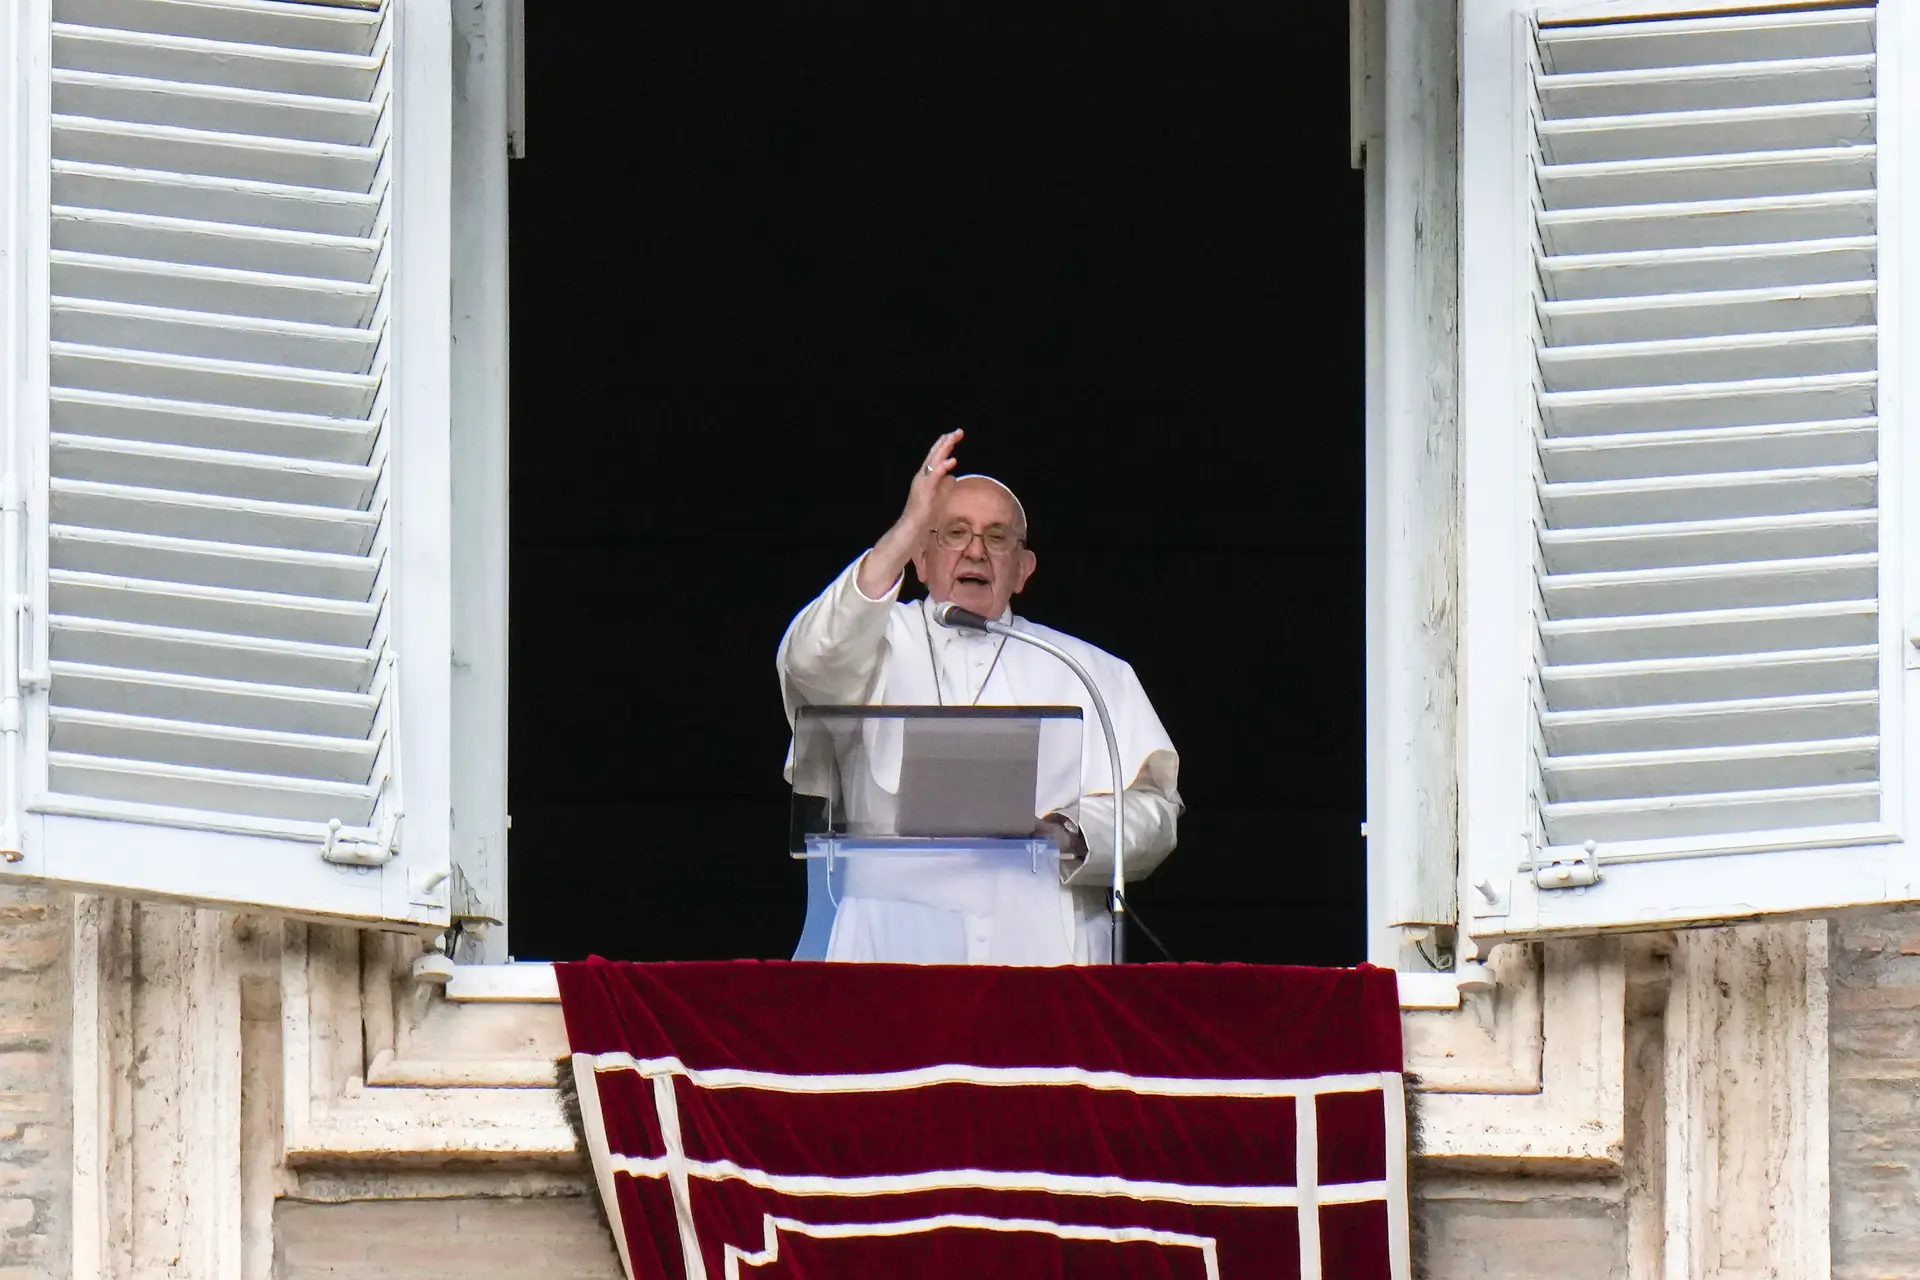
533 982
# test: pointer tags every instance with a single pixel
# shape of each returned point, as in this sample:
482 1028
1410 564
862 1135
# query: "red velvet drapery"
840 1121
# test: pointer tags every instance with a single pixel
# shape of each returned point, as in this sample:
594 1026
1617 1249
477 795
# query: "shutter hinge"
1576 872
28 677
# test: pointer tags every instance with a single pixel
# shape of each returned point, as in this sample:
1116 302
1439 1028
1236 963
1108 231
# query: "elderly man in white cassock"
859 643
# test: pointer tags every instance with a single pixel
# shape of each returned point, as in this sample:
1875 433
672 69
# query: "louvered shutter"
233 624
1703 597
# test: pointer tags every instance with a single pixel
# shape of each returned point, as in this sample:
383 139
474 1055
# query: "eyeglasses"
959 535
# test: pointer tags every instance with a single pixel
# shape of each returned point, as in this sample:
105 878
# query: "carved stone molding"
1490 1043
1568 1116
380 1069
222 1061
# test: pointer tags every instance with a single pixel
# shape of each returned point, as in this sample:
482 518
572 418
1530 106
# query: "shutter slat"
1794 718
214 108
136 327
96 188
1665 817
217 290
1714 678
283 755
1756 314
1695 542
204 700
1698 133
222 790
1815 625
1749 402
1711 586
1703 770
1693 224
323 28
200 562
1724 358
1700 87
222 427
1739 175
236 612
349 259
1769 446
294 162
1721 39
282 526
215 62
236 383
181 651
211 471
1659 499
1653 272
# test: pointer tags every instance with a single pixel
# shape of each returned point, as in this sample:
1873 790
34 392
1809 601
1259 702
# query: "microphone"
949 614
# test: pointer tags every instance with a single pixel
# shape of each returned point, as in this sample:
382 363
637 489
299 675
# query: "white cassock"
847 649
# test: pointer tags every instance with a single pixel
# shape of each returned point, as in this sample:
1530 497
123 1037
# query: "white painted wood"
233 412
423 572
482 119
1711 621
1367 31
1413 802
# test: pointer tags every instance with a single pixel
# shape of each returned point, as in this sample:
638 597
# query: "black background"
762 253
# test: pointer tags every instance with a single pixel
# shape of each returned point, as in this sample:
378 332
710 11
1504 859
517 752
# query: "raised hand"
923 494
883 565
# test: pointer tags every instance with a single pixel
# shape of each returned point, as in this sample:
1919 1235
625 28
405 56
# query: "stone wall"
1875 1074
34 1132
549 1238
1519 1228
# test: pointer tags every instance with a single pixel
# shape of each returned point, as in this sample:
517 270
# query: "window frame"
1701 880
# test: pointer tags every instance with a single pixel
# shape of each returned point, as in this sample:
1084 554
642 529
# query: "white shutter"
245 400
1710 714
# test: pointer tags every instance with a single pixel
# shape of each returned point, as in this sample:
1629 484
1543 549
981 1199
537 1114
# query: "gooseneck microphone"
949 614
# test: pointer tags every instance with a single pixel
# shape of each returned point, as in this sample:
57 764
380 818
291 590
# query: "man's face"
975 576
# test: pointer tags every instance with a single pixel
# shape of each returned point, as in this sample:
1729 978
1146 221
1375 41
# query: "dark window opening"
762 254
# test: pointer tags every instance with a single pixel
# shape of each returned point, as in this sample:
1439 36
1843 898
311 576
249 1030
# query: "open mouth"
968 576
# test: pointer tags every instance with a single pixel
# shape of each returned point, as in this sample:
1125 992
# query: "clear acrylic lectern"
918 826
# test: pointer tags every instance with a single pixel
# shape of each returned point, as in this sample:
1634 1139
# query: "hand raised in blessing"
882 566
923 494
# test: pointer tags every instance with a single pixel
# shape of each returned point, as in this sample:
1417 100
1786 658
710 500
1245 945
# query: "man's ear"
919 563
1023 567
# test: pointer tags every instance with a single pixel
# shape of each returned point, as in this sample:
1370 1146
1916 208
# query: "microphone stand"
952 615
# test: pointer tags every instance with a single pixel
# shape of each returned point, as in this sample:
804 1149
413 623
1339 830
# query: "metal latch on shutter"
359 853
1576 872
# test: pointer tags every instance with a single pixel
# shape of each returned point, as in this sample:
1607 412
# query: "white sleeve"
1152 829
831 652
